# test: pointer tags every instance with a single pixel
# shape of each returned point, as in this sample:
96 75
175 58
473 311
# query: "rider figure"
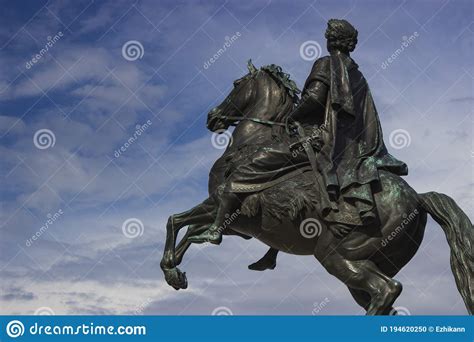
338 114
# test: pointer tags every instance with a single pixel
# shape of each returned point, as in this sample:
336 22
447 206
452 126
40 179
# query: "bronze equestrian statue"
312 176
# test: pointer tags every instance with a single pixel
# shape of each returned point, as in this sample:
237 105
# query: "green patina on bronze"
312 176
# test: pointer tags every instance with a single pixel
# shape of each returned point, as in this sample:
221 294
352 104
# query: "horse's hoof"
382 304
175 278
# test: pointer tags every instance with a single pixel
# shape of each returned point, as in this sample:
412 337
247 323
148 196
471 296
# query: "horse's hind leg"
384 297
363 299
364 275
359 274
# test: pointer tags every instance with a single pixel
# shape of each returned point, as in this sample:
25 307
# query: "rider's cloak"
353 150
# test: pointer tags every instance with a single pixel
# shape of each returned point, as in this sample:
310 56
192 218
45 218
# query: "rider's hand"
290 127
317 143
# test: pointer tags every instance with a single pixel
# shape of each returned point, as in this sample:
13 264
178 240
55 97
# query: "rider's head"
341 36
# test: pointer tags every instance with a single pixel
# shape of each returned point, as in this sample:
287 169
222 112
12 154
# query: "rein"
260 121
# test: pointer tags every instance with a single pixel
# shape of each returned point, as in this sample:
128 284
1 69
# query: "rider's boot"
229 203
267 262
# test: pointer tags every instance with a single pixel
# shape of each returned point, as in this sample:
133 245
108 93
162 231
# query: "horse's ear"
252 69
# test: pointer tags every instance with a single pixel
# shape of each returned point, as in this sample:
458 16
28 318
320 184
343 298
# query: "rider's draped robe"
353 150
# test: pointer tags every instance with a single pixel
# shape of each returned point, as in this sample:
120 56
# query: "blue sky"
91 98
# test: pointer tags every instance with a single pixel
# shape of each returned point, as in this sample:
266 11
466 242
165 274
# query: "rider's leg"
263 165
267 262
359 274
229 203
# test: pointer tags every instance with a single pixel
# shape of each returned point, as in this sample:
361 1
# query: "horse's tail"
460 235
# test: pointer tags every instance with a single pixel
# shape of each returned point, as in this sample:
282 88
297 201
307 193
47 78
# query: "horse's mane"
283 79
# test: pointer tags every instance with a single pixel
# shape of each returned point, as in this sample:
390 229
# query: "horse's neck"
249 132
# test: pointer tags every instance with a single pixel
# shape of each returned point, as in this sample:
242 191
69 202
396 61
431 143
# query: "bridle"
242 118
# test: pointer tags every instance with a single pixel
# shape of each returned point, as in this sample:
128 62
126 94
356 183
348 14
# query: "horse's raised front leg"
184 244
200 214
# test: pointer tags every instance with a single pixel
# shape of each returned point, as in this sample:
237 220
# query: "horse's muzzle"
214 121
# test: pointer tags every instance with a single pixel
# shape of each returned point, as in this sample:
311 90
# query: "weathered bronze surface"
312 176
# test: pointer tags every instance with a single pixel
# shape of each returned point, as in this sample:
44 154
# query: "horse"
367 258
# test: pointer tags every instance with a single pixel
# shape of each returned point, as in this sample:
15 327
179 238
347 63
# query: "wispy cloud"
92 99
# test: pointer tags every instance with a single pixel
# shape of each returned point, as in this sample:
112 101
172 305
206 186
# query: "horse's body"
370 256
362 243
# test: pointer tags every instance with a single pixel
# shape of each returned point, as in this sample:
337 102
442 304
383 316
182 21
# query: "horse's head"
264 94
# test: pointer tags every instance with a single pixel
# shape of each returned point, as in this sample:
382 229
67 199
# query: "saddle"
288 196
294 196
